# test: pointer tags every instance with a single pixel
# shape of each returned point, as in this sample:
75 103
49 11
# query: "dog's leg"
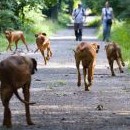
42 51
79 75
85 82
93 68
6 94
120 55
36 50
111 67
49 53
26 47
9 47
119 65
16 45
90 74
23 39
27 98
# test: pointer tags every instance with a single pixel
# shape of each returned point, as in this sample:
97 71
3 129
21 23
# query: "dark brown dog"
86 52
113 52
43 43
15 73
15 36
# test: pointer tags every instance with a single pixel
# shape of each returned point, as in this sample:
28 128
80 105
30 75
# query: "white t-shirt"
78 15
107 13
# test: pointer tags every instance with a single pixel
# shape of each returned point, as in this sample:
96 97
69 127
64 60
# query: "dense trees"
12 12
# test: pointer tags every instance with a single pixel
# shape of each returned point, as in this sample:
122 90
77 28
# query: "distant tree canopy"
12 12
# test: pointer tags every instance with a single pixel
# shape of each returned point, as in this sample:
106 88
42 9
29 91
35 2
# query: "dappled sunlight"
72 37
123 112
56 65
59 108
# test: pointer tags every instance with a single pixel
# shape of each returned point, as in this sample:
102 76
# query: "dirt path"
61 105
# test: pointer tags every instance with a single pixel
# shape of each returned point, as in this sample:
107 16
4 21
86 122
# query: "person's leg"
76 35
108 33
76 30
104 30
80 34
80 31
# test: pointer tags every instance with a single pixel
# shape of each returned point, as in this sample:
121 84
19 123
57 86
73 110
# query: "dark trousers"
106 31
78 31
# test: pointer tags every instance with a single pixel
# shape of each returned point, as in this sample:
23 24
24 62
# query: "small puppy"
15 73
15 36
86 53
43 43
113 52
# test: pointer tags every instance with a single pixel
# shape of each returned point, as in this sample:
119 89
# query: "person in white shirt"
107 17
79 17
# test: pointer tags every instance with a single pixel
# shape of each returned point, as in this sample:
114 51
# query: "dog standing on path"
15 36
15 73
86 53
113 52
43 43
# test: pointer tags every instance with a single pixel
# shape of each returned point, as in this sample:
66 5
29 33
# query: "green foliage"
8 20
124 9
95 22
3 43
63 19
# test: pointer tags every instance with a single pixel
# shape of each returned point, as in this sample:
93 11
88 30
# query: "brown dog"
43 43
15 36
15 73
86 53
113 52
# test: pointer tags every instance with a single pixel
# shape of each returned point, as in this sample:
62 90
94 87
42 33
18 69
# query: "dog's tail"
24 101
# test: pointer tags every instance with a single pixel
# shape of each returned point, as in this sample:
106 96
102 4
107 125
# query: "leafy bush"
8 20
63 19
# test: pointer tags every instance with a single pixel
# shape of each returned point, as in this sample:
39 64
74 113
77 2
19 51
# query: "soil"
60 104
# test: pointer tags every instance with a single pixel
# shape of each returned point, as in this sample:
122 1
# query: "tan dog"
15 36
113 52
15 73
86 52
43 43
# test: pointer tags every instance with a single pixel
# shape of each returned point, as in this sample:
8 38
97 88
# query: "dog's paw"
30 123
78 84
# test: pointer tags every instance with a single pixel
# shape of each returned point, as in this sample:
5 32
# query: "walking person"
79 17
107 17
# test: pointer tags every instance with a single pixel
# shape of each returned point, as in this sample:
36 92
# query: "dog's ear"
98 46
44 34
36 35
34 68
7 32
106 46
